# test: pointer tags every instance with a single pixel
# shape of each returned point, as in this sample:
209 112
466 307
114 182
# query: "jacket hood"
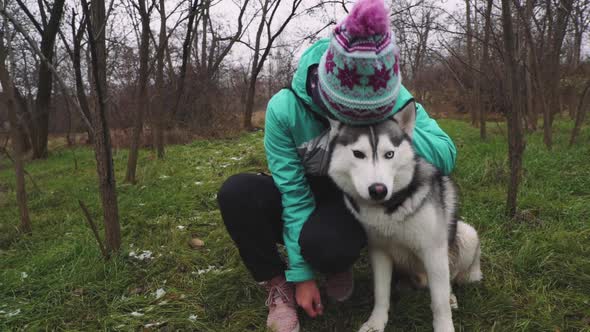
310 57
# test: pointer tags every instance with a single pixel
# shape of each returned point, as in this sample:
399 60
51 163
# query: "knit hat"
359 77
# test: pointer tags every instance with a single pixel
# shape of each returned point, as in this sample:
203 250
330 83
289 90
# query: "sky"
304 24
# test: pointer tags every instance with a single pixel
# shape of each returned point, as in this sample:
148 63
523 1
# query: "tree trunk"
556 36
161 111
269 9
205 18
536 87
580 114
471 100
69 127
77 35
250 103
102 141
515 136
45 83
578 24
186 51
483 65
530 97
10 101
253 74
141 93
22 110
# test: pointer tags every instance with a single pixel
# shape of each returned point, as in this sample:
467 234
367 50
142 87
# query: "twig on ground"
502 131
94 229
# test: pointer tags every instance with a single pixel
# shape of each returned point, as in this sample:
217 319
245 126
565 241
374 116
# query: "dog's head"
371 163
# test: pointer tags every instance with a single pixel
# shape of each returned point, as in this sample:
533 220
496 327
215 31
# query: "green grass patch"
536 267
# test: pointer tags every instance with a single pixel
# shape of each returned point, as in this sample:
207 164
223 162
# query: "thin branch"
30 16
7 154
94 229
43 14
458 57
313 35
448 65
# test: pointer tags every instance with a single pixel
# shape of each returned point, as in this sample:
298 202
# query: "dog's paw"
454 303
469 277
475 276
368 327
376 323
445 325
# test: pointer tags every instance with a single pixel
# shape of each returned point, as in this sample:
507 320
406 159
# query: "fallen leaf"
196 243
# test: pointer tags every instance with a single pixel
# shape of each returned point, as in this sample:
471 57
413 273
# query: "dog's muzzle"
377 191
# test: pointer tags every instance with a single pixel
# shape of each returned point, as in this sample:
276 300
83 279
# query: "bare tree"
581 22
95 24
77 35
483 65
531 65
580 113
48 30
186 51
214 48
544 39
414 22
160 109
515 135
557 33
144 49
472 102
37 51
8 90
267 16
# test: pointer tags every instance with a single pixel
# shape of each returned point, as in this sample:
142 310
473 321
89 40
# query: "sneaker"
339 286
282 308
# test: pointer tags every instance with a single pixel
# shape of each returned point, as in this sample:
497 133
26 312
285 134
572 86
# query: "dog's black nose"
378 191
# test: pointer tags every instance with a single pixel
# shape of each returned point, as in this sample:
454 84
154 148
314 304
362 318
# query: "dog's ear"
406 118
335 126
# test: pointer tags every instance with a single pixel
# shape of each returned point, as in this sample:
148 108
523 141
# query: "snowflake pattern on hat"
380 79
359 76
348 77
330 64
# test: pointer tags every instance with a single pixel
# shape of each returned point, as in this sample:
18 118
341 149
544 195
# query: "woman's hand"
308 297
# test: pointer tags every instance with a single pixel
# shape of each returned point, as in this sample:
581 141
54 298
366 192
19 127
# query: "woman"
352 77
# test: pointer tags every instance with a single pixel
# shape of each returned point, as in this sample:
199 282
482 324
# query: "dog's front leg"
382 265
436 263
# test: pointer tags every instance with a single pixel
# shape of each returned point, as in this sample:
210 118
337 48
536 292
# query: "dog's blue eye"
389 155
358 154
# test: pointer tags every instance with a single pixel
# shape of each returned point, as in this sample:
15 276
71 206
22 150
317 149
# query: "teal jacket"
296 144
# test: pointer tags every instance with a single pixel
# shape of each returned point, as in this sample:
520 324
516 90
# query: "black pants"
330 240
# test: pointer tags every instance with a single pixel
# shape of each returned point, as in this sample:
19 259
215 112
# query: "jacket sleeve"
297 199
432 143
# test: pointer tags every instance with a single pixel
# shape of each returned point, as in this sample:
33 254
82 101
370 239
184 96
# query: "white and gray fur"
413 228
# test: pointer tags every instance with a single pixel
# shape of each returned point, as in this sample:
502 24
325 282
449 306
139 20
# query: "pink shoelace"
278 292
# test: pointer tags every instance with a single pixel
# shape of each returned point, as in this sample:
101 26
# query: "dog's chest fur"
403 235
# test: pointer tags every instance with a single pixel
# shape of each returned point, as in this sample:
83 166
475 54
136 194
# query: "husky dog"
408 210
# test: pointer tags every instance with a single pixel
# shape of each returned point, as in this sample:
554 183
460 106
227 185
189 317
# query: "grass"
536 267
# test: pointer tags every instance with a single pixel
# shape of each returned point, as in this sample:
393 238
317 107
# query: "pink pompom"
367 18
